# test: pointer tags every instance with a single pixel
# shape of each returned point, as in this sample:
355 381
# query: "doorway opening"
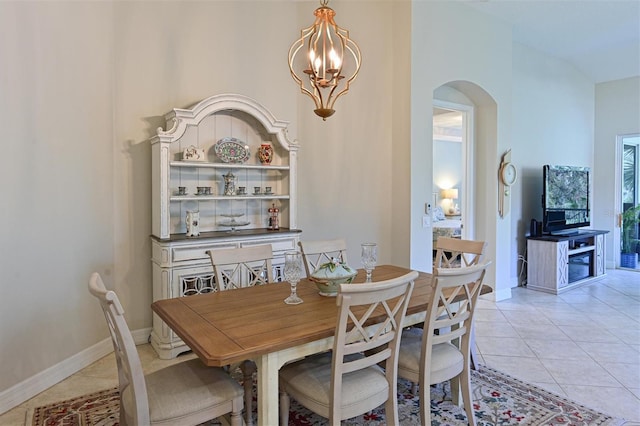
453 165
629 196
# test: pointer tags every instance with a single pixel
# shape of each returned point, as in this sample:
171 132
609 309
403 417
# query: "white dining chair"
348 381
456 252
243 267
315 253
186 393
428 358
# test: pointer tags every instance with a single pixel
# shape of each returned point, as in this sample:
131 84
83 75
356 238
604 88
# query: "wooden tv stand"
557 263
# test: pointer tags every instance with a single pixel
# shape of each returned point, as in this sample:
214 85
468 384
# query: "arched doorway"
481 175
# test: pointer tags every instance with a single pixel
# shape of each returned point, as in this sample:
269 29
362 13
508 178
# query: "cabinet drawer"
183 254
283 245
276 246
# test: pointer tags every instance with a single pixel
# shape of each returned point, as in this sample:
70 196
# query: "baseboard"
27 389
501 294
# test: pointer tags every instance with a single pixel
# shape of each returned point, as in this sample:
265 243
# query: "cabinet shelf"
582 249
227 197
205 165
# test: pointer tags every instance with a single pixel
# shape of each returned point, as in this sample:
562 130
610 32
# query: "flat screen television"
565 199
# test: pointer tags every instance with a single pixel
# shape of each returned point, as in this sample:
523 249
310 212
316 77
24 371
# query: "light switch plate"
426 221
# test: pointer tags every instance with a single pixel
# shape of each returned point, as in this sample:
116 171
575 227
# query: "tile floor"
583 344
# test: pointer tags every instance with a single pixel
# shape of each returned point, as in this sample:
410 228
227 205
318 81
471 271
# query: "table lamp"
450 194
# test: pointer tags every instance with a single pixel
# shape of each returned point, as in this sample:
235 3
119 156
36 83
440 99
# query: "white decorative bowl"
329 276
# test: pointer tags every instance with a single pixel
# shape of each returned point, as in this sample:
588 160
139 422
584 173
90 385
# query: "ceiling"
601 38
447 125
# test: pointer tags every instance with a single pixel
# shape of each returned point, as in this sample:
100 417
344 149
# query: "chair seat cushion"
308 381
184 389
446 360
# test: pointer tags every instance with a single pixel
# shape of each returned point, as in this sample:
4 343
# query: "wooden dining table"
254 323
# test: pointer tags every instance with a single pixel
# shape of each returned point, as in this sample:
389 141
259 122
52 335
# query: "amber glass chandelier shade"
322 58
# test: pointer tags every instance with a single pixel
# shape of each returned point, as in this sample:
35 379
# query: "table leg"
268 368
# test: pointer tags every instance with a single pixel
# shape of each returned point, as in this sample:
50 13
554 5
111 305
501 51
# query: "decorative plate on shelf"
232 150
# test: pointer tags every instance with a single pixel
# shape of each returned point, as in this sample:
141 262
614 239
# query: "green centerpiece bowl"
330 275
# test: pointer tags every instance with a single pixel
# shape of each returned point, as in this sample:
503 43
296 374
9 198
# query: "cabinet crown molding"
179 119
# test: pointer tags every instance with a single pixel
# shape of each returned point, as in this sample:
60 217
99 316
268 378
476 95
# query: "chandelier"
321 69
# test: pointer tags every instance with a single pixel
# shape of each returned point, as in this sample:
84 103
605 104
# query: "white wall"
57 219
345 178
400 62
477 58
553 122
617 112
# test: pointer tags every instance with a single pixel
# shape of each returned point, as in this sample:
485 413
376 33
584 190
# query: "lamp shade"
451 193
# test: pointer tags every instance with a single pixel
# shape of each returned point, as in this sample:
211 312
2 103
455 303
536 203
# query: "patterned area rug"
100 408
498 400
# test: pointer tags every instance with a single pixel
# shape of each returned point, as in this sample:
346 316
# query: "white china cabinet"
199 164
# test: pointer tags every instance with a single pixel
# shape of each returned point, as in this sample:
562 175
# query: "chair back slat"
130 373
316 253
242 267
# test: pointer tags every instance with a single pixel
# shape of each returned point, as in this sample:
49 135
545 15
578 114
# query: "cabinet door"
176 282
562 259
547 264
191 281
600 266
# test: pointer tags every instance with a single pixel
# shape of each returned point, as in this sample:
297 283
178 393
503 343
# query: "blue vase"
629 260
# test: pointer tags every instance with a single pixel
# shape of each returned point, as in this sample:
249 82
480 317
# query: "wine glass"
292 274
369 258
